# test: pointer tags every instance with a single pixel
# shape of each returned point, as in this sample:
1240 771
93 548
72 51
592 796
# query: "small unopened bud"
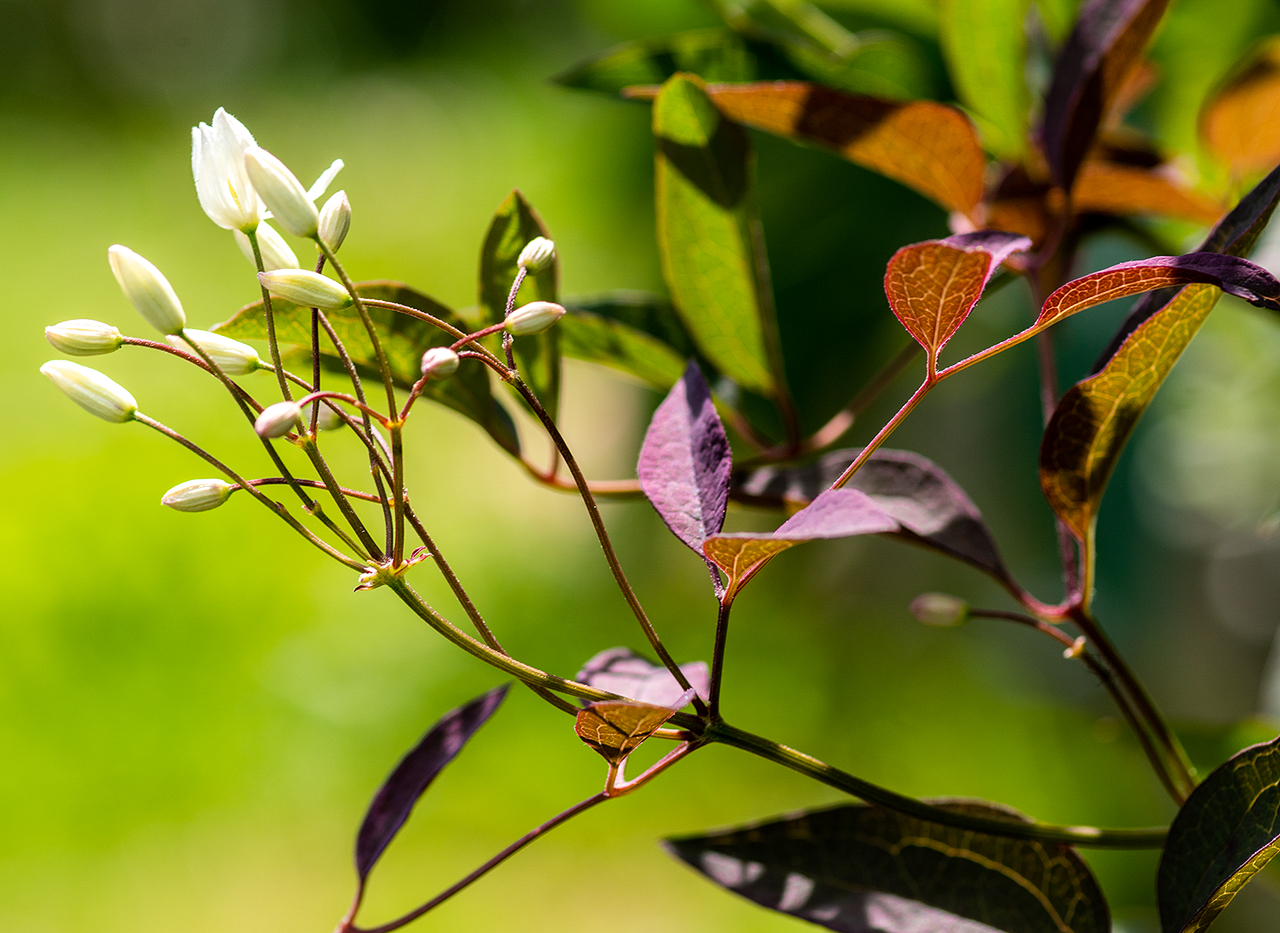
533 318
277 420
537 254
439 362
329 420
83 337
231 356
147 289
335 221
92 391
276 253
306 288
1076 649
197 495
281 191
940 609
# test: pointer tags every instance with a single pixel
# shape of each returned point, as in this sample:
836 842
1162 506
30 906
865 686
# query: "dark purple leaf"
622 671
931 508
999 244
1108 40
394 801
685 461
1236 235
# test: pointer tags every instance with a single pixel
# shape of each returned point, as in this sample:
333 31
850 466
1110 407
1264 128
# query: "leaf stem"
717 658
884 433
1088 836
268 312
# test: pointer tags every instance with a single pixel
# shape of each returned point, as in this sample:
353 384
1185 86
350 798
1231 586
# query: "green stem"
269 313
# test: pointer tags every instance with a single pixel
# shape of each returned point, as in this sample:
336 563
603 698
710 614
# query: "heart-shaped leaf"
404 339
537 356
861 869
932 509
932 286
1241 124
836 513
1107 42
685 461
616 728
622 671
1236 235
985 46
929 147
634 332
709 236
396 797
1228 829
1129 190
1233 275
712 54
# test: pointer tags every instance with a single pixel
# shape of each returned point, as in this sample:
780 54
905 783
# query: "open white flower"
222 184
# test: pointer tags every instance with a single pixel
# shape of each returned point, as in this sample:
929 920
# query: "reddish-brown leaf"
932 286
929 147
615 728
1124 190
1241 124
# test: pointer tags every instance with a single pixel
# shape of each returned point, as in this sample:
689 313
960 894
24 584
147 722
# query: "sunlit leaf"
537 356
1228 829
622 671
404 339
709 236
396 797
932 286
1127 190
985 46
712 54
1233 275
635 332
932 509
835 513
685 461
861 869
929 147
1241 124
1107 42
616 728
1094 419
1236 235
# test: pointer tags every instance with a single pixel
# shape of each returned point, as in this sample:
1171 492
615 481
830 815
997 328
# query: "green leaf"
1094 419
403 338
537 356
1228 829
986 48
709 237
637 333
861 869
714 54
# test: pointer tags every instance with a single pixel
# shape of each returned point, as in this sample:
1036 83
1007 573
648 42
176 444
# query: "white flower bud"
329 420
147 289
335 221
197 495
281 191
231 356
83 337
940 609
278 420
276 253
537 254
92 391
533 318
439 362
306 288
222 184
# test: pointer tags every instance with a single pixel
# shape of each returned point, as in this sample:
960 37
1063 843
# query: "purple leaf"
685 461
931 508
622 671
1235 235
999 244
396 797
1108 40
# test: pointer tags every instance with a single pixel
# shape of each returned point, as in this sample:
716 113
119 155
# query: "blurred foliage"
195 710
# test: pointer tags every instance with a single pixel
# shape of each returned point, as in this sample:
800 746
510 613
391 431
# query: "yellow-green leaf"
985 45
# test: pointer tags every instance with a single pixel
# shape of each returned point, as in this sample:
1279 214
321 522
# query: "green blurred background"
195 709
